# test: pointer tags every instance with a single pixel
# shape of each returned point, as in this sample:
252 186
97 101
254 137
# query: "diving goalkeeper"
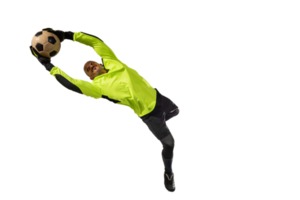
116 82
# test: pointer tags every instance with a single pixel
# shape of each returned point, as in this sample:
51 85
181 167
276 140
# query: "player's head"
93 69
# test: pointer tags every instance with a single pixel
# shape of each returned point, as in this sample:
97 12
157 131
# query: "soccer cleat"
169 182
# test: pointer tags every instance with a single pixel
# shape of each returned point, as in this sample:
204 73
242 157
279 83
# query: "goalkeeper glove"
61 34
43 60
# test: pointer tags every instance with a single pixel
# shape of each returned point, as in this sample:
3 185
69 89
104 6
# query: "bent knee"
168 140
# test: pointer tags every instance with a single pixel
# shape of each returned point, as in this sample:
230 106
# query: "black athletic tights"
164 110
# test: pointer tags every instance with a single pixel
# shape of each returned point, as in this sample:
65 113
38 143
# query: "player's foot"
169 181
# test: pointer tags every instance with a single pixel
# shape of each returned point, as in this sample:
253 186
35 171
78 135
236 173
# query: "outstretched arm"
80 86
97 44
76 85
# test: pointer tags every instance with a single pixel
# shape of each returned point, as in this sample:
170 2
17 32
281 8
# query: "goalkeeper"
116 82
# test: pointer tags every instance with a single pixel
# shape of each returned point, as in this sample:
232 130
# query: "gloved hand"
64 35
43 60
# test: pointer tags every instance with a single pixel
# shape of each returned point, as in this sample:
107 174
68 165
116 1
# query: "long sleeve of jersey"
122 85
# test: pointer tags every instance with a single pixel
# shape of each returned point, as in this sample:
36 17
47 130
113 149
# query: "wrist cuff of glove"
68 35
65 35
48 66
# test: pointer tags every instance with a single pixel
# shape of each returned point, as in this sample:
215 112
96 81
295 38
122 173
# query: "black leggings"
164 110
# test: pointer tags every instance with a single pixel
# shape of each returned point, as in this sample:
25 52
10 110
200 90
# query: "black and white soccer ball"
46 43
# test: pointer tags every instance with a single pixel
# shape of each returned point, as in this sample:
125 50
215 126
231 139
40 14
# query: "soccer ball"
46 44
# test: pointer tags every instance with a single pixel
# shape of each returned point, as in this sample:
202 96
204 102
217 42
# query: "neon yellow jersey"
120 84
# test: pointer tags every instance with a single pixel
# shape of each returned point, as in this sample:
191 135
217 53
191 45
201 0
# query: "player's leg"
164 110
159 129
167 152
167 156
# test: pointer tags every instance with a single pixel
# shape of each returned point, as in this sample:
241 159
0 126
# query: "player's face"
92 69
